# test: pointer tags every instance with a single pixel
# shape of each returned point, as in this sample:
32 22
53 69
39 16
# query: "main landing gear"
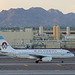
36 61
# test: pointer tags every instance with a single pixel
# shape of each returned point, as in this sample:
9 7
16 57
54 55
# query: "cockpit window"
68 52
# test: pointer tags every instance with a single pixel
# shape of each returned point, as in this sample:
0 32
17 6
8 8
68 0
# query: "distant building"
68 31
18 38
56 32
41 30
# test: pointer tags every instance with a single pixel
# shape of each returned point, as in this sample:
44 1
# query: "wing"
39 55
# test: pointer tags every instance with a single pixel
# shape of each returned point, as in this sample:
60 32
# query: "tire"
62 61
37 61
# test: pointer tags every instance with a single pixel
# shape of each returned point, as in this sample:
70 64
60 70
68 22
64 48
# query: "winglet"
1 37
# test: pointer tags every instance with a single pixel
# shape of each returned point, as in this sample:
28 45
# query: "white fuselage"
45 55
31 53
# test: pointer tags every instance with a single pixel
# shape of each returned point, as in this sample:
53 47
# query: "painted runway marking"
57 70
59 64
25 65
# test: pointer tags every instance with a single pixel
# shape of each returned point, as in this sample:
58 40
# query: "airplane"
45 55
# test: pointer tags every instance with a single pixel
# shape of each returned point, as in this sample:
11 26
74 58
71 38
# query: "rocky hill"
34 17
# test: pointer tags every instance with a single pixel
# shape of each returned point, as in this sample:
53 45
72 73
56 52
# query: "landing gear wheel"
37 61
62 61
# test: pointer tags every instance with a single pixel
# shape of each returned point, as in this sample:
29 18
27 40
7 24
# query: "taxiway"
17 66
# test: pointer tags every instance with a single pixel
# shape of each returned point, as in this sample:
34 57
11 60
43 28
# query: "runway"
37 72
28 64
17 66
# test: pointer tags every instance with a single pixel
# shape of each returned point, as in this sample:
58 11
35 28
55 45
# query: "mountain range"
35 17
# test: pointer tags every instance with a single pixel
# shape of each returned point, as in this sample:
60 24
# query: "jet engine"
47 59
32 57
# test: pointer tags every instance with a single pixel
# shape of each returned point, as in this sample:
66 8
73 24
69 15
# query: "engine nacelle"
31 57
47 59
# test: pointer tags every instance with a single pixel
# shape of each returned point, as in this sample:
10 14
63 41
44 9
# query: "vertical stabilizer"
4 45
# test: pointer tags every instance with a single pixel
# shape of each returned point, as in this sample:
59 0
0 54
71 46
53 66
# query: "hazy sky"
65 6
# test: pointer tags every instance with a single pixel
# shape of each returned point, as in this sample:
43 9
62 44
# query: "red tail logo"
4 45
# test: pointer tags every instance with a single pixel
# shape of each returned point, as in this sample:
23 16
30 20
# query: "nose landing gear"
62 61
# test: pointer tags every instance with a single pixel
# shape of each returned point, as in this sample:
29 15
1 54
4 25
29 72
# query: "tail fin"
4 44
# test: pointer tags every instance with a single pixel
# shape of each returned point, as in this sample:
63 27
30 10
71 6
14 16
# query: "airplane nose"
73 55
